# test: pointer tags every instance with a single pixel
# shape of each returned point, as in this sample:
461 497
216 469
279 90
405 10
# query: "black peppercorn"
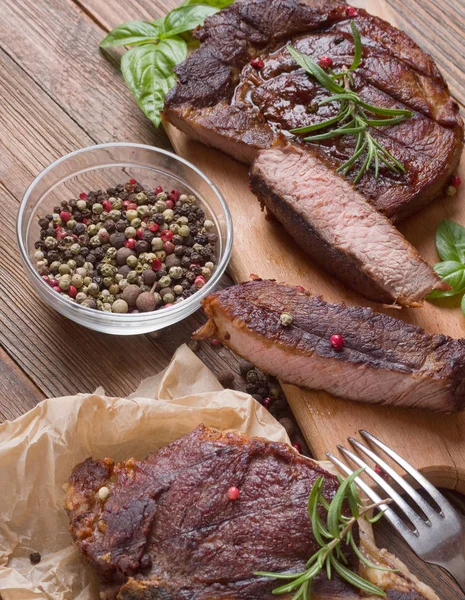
118 238
121 226
142 246
43 223
148 236
110 226
35 558
80 229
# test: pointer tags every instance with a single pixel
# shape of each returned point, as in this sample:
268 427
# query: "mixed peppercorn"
127 250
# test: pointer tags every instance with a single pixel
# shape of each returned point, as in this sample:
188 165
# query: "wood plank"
17 392
69 68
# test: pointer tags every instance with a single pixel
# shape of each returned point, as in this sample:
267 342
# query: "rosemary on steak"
330 536
355 117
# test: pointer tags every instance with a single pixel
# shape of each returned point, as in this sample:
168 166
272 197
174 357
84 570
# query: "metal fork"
437 537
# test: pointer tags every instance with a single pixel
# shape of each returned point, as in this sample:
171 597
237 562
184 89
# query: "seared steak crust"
342 232
223 101
384 360
169 531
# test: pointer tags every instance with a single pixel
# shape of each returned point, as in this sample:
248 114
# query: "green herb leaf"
357 581
450 241
131 32
219 4
462 305
335 508
358 47
453 273
309 65
186 18
148 71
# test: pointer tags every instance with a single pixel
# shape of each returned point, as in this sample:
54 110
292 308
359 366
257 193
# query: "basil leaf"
186 18
216 3
463 305
131 32
450 241
453 273
148 71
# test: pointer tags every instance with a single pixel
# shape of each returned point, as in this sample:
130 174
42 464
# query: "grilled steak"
343 233
168 531
384 360
222 100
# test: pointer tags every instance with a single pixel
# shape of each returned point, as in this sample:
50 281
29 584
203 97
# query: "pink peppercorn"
199 281
169 204
153 227
174 195
267 402
139 233
351 11
106 205
72 291
158 190
83 196
297 447
156 264
233 493
168 247
65 216
257 63
132 181
456 181
325 62
131 243
337 342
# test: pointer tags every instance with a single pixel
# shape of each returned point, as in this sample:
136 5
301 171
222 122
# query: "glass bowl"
100 167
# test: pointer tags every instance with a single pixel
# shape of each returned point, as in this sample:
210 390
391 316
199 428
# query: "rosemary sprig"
330 535
353 117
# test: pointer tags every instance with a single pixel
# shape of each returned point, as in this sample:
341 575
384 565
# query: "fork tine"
389 514
435 494
421 502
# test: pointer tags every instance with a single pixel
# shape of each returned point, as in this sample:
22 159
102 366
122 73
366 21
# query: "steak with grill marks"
167 530
384 360
222 100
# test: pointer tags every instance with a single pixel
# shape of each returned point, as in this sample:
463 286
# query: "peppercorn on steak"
243 92
350 352
167 528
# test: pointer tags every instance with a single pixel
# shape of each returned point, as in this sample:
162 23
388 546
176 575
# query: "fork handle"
456 567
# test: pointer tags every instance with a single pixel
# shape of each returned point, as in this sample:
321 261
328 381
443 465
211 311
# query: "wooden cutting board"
432 442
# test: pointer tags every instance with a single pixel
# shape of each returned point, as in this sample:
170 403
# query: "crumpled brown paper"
39 450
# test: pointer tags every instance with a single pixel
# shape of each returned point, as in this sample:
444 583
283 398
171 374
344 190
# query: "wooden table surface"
58 92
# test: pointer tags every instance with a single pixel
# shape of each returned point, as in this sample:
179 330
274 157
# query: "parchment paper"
39 450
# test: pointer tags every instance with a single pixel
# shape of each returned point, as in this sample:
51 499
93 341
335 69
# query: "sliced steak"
223 101
384 360
167 530
342 232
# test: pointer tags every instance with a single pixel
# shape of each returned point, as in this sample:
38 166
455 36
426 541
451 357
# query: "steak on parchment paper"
168 531
222 100
384 360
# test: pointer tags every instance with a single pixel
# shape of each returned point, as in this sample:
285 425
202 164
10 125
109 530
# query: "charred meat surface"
339 229
225 101
168 529
384 360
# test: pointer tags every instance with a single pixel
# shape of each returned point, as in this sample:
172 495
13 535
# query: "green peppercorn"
123 284
107 281
174 227
184 231
143 211
131 214
80 297
97 209
209 265
64 284
176 272
77 281
160 204
130 232
114 215
165 281
118 205
183 221
54 267
141 198
132 277
132 261
157 243
178 290
50 242
160 254
89 267
87 281
114 289
81 205
38 255
93 289
64 269
191 199
75 248
71 224
106 307
183 198
118 277
209 225
168 215
95 241
168 298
